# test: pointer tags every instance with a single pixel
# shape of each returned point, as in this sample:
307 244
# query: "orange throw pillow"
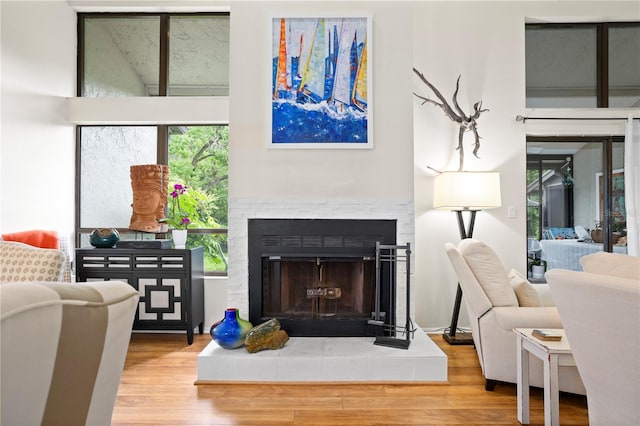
35 238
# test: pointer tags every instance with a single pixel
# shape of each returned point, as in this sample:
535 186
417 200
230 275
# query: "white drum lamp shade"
466 191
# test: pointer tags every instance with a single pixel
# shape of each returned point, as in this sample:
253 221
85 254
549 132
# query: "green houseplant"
178 216
537 267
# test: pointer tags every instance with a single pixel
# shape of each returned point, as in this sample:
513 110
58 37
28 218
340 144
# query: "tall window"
134 55
583 65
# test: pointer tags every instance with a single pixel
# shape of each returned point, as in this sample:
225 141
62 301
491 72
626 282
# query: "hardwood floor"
157 387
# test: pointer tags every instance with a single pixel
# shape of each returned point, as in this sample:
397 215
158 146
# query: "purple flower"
178 219
178 189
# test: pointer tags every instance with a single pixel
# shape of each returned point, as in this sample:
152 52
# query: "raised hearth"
326 359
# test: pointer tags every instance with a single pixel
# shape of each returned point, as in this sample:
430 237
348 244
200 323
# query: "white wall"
38 144
482 41
317 183
258 172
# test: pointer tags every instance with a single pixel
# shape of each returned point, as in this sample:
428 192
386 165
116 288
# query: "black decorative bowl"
104 238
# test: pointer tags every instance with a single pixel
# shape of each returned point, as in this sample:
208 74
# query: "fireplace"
318 276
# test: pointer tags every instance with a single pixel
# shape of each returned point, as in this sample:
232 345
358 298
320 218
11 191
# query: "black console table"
170 283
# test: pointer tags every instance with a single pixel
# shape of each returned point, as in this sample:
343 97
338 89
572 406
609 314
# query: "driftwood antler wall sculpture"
466 123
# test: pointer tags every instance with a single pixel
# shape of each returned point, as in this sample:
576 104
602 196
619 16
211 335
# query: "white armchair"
494 310
63 350
600 311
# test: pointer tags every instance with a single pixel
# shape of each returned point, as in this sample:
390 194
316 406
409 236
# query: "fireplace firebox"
318 276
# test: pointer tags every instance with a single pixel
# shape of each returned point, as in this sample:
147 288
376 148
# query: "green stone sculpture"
267 335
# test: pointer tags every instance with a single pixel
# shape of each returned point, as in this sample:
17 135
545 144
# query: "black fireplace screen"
317 287
318 276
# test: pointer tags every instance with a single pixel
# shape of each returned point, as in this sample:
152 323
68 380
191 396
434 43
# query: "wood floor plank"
157 387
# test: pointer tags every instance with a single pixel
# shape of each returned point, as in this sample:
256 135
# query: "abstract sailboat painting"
321 83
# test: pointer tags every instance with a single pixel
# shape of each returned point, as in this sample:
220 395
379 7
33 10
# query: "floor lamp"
465 192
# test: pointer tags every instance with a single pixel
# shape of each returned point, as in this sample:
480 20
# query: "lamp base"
459 339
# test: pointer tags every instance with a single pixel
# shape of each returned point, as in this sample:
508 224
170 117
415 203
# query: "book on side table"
548 335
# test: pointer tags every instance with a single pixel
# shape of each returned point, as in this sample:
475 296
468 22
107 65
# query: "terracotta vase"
232 330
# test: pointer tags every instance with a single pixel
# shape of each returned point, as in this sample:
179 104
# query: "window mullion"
602 64
607 168
164 54
80 57
163 144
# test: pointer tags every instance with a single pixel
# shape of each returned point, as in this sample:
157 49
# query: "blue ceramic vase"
232 330
104 238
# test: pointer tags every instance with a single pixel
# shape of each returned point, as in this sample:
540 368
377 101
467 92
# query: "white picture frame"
321 82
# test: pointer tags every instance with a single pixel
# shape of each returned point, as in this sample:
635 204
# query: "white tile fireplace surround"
241 210
350 359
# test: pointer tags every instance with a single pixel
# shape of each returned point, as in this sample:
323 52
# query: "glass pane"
316 287
198 158
121 56
587 163
557 195
105 184
624 66
618 210
199 56
215 250
533 201
569 177
561 67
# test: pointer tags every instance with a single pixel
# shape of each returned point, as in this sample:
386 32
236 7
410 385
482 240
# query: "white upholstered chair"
600 311
495 309
63 350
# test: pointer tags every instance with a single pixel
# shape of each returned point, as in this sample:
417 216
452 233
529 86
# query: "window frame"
539 161
162 142
607 175
602 52
162 146
164 35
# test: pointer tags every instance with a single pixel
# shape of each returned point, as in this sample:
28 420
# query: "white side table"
553 354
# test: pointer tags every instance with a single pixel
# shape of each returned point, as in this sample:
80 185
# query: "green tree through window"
198 158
